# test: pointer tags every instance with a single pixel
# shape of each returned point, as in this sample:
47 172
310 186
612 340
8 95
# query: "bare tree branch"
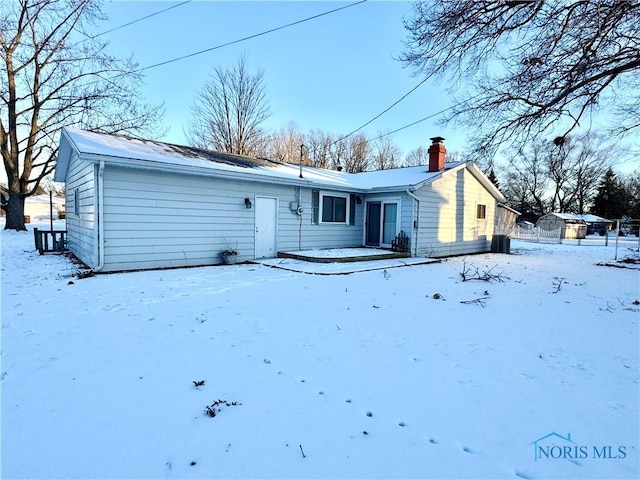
49 81
532 67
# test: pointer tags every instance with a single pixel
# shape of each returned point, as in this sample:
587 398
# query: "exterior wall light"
247 202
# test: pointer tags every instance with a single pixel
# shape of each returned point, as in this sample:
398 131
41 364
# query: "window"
330 207
334 209
76 202
481 212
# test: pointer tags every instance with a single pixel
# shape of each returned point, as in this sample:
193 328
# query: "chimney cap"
436 139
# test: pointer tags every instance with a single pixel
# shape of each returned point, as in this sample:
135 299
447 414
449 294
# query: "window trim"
481 211
76 202
383 201
344 196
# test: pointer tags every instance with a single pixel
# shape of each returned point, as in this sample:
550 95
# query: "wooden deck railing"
50 240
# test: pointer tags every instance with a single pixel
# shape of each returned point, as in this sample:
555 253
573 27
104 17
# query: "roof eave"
65 150
251 175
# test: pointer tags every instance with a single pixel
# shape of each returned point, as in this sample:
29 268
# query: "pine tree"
493 178
612 200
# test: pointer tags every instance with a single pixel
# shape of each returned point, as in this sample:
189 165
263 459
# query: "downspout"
417 222
100 239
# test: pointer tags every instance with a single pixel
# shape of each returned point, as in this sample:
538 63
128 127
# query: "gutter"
417 228
99 219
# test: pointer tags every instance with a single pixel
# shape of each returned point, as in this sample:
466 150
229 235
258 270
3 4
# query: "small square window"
333 208
481 212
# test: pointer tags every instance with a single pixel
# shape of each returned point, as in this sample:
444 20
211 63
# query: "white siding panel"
156 220
448 223
81 238
306 235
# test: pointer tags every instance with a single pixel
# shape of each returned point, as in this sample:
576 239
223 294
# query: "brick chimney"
437 152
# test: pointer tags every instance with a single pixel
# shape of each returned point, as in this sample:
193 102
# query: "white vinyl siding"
81 223
155 219
448 223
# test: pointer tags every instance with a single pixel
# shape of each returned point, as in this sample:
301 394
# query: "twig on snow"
482 301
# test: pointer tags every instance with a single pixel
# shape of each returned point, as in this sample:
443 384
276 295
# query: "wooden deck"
343 255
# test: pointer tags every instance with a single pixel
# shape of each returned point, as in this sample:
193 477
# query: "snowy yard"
378 374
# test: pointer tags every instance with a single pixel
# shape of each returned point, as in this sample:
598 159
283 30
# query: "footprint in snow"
522 475
433 441
468 450
114 308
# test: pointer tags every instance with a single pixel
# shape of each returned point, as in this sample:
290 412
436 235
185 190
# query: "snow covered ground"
377 374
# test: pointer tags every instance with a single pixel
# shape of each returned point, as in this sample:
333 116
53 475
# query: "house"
572 226
41 207
137 204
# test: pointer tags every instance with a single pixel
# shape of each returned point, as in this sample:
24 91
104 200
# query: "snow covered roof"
583 217
147 154
567 216
590 218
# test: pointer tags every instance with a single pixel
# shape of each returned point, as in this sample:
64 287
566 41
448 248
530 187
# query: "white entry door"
266 221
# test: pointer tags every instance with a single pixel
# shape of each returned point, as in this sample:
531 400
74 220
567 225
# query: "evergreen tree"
632 187
493 178
612 200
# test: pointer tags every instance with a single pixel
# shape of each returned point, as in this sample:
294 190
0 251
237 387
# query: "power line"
440 112
383 112
411 124
141 19
297 22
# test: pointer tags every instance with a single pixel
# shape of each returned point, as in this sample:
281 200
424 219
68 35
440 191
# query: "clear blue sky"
332 73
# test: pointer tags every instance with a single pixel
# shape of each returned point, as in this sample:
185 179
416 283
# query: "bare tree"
529 176
358 154
545 176
284 144
319 143
593 156
416 157
229 110
55 74
339 150
575 167
386 154
533 66
516 190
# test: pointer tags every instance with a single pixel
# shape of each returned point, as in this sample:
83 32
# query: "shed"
596 224
136 204
572 226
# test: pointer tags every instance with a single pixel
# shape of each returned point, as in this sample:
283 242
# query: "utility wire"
383 112
91 37
411 124
282 27
440 112
148 67
141 19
